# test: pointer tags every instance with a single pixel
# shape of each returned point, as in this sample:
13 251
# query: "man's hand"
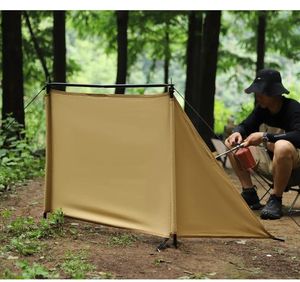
253 139
234 139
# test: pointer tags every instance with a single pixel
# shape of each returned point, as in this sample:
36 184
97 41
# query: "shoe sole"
256 207
269 216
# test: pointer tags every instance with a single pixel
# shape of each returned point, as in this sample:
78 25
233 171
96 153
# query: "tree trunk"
122 25
260 44
193 66
59 47
209 58
12 67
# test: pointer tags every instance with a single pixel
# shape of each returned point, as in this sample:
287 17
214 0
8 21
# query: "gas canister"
245 158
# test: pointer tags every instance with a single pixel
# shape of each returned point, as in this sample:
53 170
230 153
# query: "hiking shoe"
251 198
273 208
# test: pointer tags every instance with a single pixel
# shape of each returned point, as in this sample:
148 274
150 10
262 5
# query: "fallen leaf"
241 242
12 258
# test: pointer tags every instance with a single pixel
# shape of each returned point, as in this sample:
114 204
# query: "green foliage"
281 39
146 42
76 266
17 160
24 234
35 124
28 228
5 215
41 23
51 225
122 240
244 111
33 271
222 114
24 246
21 225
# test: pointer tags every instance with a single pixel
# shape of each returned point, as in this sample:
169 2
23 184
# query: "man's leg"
284 160
248 189
243 175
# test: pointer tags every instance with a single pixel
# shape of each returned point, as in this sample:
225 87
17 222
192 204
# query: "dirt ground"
139 259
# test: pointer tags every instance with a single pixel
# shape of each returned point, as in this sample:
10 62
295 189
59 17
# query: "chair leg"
294 202
266 193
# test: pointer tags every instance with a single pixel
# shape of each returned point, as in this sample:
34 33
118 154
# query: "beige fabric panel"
111 159
48 173
207 202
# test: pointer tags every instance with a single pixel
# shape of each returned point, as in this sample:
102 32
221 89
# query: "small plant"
122 240
24 246
17 159
7 274
21 225
35 271
5 214
75 265
159 261
5 217
23 233
28 228
51 225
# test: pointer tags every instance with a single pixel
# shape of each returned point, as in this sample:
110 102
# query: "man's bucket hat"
267 82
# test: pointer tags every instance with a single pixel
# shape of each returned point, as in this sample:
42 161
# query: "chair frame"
292 186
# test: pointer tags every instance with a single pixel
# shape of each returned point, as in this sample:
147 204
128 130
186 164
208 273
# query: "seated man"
274 110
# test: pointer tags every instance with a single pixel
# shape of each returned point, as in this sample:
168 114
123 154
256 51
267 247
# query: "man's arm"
251 123
292 136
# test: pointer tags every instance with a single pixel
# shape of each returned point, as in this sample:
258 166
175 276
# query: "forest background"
210 56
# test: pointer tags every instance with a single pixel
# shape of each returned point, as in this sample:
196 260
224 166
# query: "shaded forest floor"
104 252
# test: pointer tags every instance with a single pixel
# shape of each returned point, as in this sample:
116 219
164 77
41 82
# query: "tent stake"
45 215
175 242
163 245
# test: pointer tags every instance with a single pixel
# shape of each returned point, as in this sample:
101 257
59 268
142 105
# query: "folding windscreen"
136 161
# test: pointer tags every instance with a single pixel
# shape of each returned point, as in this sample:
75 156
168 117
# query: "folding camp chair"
264 170
221 148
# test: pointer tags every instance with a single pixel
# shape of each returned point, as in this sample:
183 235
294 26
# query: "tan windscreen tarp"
111 159
207 203
137 162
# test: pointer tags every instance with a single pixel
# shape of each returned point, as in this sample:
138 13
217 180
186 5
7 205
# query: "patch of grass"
5 216
20 225
75 266
51 226
28 228
27 271
23 233
122 240
17 160
23 246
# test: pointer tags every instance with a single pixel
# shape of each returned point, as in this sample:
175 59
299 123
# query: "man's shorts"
264 161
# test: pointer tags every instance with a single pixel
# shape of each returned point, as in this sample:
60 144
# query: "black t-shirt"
288 119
